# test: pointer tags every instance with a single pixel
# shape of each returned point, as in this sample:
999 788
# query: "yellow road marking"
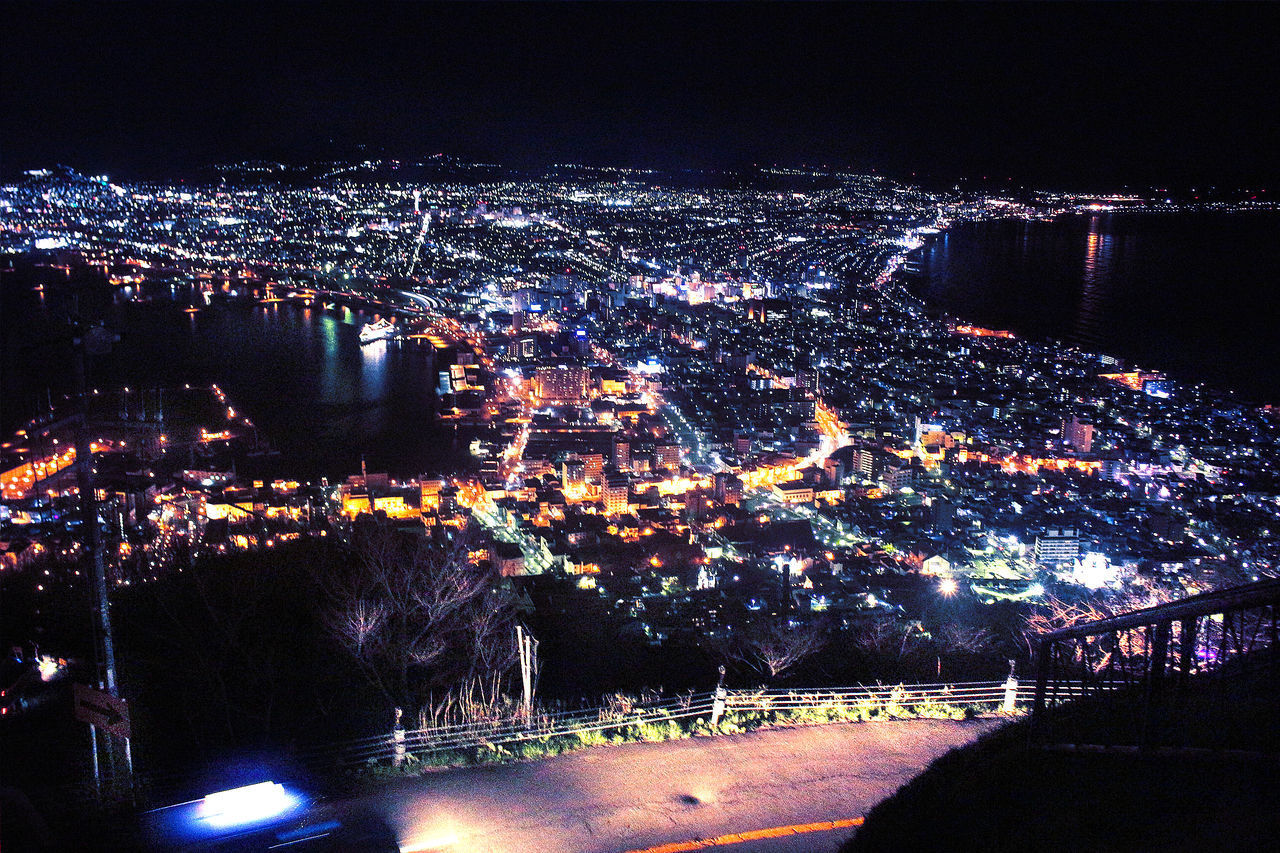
752 835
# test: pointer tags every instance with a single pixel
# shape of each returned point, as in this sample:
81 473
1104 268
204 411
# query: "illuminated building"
573 472
1078 434
794 491
622 455
667 456
593 467
355 502
613 382
936 565
728 488
562 383
862 462
1154 384
1057 546
769 310
396 506
431 494
979 332
614 493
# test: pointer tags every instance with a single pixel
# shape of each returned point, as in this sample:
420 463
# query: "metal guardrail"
1155 653
487 734
396 746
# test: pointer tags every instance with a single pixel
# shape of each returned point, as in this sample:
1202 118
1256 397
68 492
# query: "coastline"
1232 363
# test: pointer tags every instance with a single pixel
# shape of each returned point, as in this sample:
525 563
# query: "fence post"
528 648
1044 657
1010 690
717 705
397 740
1186 650
1155 682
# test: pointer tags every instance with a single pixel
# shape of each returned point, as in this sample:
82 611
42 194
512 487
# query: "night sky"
1076 96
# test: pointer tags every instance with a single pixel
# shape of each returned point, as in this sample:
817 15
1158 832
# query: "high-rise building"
573 472
862 464
622 455
1057 546
667 456
593 466
1078 434
614 493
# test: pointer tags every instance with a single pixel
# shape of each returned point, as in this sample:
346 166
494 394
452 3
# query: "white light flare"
247 805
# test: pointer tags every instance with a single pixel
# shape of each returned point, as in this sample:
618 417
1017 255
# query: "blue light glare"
248 805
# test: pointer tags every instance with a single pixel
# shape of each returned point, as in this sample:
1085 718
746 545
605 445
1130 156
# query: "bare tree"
1103 650
416 612
889 638
895 647
775 647
955 638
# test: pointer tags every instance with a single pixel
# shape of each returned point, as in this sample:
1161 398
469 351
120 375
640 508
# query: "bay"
1193 294
300 373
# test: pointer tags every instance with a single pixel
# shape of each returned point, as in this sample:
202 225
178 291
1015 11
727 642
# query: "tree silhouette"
418 613
774 647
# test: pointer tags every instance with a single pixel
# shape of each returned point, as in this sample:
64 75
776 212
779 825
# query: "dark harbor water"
1193 294
300 374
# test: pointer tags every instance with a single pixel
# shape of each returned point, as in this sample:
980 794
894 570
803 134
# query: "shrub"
898 705
591 738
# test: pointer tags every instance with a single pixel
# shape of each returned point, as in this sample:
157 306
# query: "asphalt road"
642 796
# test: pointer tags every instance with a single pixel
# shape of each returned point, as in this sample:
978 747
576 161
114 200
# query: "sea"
1193 294
322 400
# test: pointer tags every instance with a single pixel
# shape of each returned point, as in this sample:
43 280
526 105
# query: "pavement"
675 794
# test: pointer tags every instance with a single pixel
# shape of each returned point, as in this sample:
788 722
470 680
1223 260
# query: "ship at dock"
381 329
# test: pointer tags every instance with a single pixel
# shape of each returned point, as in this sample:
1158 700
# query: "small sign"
101 709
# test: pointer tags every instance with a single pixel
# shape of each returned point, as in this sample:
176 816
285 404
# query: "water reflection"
1097 253
299 372
1091 309
373 371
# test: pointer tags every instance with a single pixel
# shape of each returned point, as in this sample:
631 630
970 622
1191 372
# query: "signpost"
103 711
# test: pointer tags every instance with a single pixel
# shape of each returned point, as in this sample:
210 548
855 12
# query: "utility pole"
96 340
528 648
